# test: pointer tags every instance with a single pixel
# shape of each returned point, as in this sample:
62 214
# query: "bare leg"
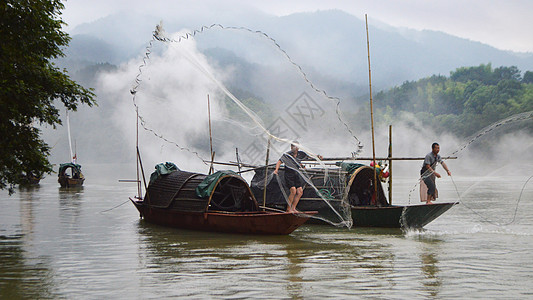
291 198
299 193
430 183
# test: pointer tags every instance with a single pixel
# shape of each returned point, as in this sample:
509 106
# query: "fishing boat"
357 186
354 184
220 202
351 186
29 179
69 174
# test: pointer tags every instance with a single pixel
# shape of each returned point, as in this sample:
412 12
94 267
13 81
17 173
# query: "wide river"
71 244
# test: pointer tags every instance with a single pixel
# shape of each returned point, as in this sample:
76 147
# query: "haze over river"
58 243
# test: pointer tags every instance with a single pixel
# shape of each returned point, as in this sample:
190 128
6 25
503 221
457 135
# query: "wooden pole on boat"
238 159
137 153
142 169
266 173
371 112
211 169
390 164
210 136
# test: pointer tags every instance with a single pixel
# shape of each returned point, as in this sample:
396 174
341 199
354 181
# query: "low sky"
504 24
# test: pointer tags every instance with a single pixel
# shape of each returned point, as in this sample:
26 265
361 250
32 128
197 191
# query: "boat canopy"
356 179
76 169
361 185
206 187
194 192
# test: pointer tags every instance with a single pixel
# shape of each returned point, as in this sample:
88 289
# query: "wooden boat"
70 175
366 210
28 179
227 205
379 213
361 188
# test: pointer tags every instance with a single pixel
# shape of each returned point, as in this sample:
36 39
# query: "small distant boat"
221 202
28 179
69 174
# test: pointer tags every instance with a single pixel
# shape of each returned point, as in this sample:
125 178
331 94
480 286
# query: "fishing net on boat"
219 115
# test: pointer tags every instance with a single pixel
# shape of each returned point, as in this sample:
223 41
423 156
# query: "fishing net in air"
208 109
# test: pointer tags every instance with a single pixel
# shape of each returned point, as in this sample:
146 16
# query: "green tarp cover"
205 188
75 168
163 169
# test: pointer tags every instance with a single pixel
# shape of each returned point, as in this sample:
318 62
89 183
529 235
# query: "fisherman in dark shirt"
428 172
293 163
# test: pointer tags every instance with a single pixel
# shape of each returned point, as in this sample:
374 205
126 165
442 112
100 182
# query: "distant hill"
328 44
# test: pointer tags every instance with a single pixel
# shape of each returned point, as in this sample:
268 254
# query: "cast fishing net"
219 116
504 147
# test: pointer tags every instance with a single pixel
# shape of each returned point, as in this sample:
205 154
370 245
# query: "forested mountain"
330 46
463 103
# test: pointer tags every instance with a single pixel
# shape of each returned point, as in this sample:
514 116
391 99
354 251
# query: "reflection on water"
70 204
314 262
57 243
429 258
296 260
21 274
23 277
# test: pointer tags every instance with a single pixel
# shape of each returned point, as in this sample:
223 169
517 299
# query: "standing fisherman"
293 163
428 172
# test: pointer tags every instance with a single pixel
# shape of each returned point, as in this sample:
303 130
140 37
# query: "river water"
57 243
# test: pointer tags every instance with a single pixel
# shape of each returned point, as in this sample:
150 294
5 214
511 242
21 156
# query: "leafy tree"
472 98
31 38
507 73
528 77
482 73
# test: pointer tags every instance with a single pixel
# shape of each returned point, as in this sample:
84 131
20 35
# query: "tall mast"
371 111
210 135
390 164
69 139
139 191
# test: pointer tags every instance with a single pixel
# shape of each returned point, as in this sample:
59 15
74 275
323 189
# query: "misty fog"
172 100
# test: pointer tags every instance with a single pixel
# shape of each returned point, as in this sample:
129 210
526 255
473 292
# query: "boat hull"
394 216
397 216
67 182
259 222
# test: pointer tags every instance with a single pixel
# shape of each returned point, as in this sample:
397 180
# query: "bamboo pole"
371 111
390 164
231 163
139 191
266 173
210 135
142 169
211 169
377 158
238 159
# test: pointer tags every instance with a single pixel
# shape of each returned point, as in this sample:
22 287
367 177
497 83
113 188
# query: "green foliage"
31 35
528 77
470 99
